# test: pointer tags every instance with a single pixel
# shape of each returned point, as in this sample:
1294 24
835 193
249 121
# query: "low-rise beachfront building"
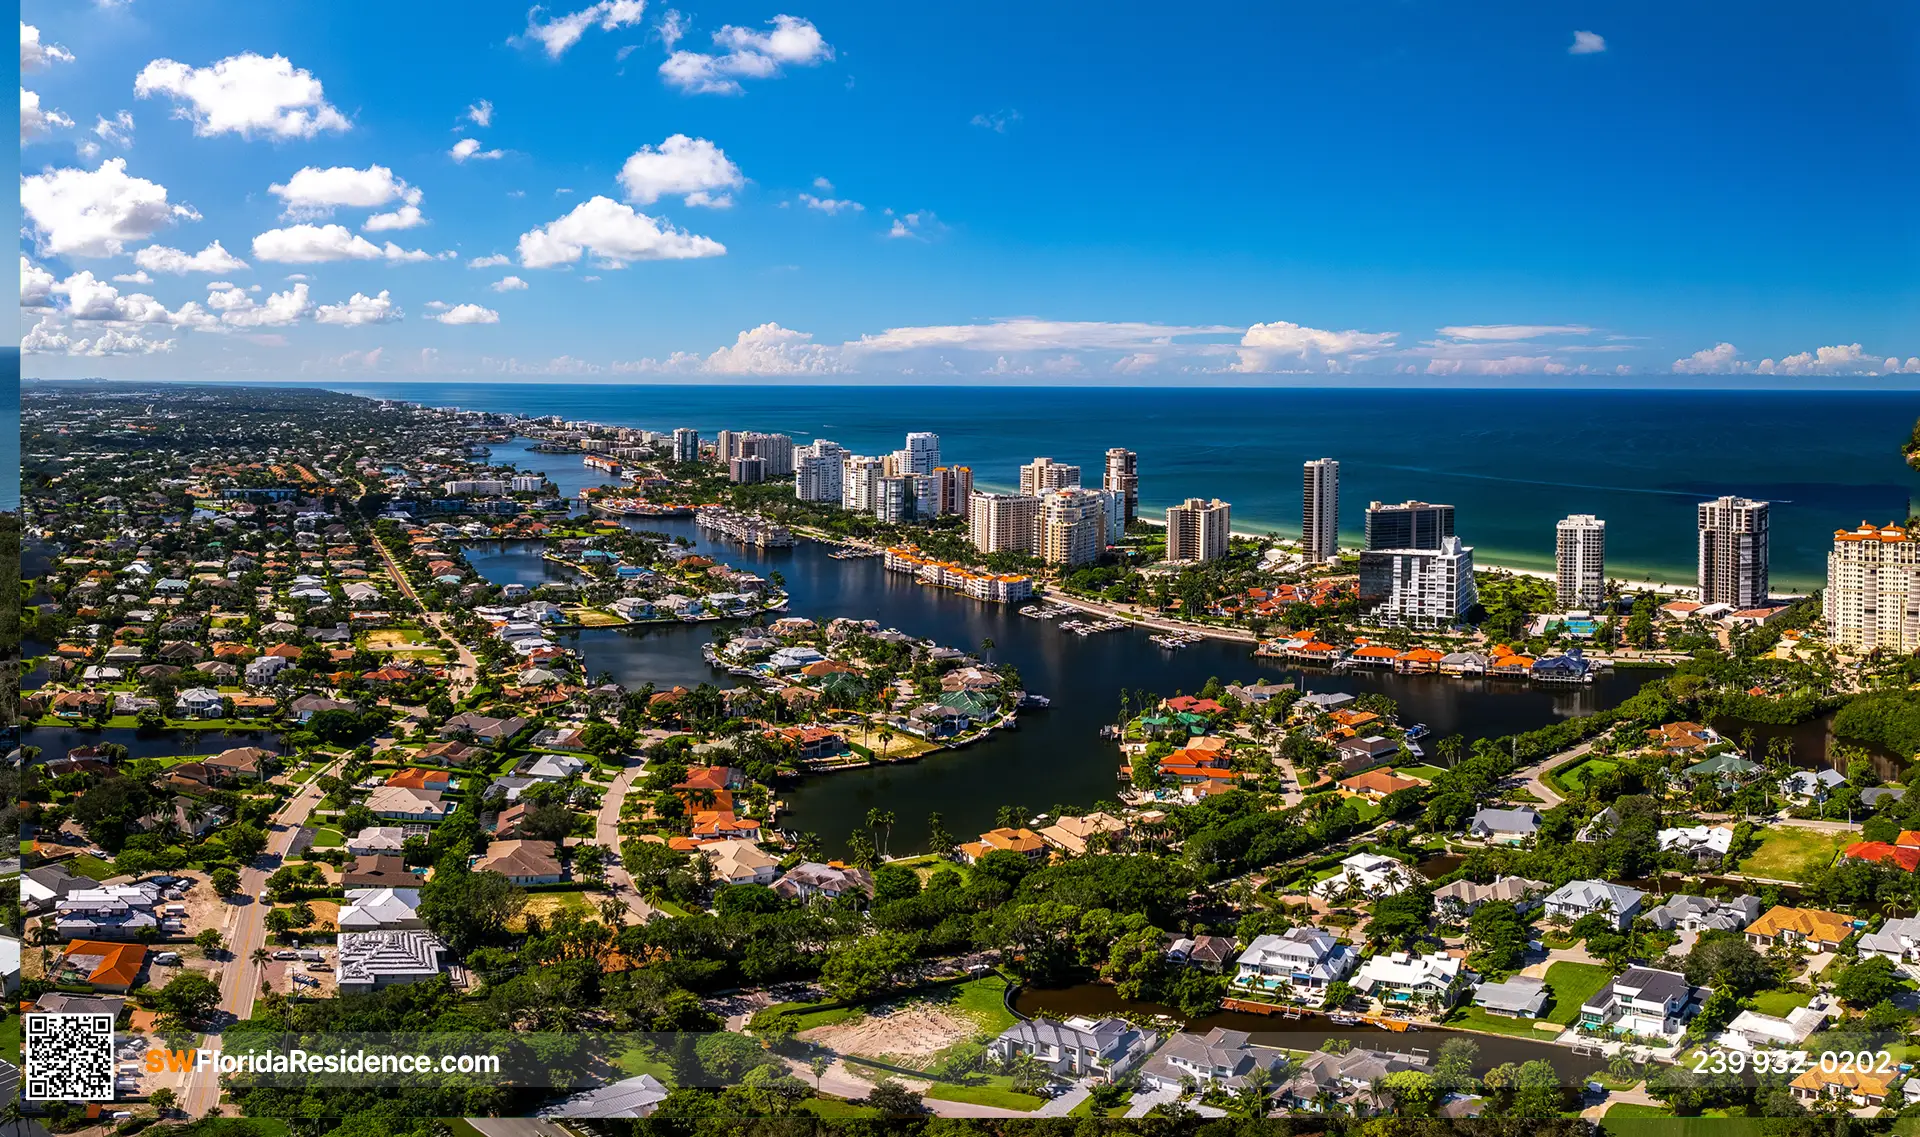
1301 961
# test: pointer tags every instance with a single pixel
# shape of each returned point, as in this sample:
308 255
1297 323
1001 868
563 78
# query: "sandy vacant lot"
386 639
904 1035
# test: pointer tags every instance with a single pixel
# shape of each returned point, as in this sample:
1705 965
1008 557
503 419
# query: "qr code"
69 1057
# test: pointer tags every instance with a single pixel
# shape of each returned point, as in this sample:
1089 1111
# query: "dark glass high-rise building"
1408 525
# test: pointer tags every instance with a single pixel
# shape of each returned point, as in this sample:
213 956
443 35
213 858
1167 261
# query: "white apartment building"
1320 509
893 498
479 487
1580 561
1417 588
1043 474
920 455
1733 552
529 483
1123 478
1197 529
860 483
817 477
1003 522
1072 527
1872 601
818 448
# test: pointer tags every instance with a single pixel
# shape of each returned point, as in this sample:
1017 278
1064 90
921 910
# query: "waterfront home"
1812 785
1072 834
397 804
1405 979
1023 841
372 909
793 658
1862 1089
1208 953
1573 667
307 706
1702 843
811 878
1463 663
1700 914
1370 875
1357 754
1461 898
367 961
1504 826
1220 1057
1302 961
1645 1002
1792 927
522 862
1897 940
1728 769
1904 857
198 703
1375 785
1347 1080
1616 902
1751 1030
1683 738
1521 997
811 743
1077 1048
740 862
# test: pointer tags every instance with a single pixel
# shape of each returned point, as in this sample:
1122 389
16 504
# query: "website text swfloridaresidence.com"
313 1062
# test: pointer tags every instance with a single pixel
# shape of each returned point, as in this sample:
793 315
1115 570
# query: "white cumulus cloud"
1719 359
829 205
746 53
311 244
1587 43
316 192
508 284
1265 347
38 56
559 33
468 314
470 148
239 310
480 113
492 260
614 233
249 95
36 122
94 213
213 258
693 167
36 285
359 309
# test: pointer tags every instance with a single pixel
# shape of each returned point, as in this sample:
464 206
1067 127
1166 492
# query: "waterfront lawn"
1572 985
1582 774
1794 854
1474 1018
1778 1003
1423 772
997 1092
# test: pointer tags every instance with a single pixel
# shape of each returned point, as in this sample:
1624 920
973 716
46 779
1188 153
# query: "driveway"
606 833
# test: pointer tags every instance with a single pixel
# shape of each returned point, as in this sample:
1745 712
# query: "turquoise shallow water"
1513 462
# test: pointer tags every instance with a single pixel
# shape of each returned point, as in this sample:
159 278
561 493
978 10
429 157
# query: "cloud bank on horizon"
628 190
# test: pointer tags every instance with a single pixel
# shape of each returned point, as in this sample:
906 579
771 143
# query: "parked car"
321 966
167 958
286 953
312 956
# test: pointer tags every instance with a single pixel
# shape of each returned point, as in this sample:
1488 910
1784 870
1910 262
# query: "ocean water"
1512 462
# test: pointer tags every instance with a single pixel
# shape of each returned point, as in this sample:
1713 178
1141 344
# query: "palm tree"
986 648
260 957
886 740
881 822
819 1064
808 846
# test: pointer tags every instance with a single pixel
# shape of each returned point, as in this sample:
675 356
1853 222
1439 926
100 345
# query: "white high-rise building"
1115 503
776 450
1198 530
1872 601
950 488
1073 526
726 446
1417 588
817 477
819 447
529 483
686 445
1580 560
860 483
1123 477
1320 510
893 499
921 455
1734 535
1043 474
1003 522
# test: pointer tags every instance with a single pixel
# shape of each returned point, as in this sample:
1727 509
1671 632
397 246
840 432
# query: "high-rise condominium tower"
1733 552
1042 474
1580 558
1123 478
1197 529
1320 509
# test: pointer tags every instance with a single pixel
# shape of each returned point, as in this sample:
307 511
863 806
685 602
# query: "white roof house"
372 909
1371 874
554 767
1404 978
1751 1030
377 839
1697 840
1305 959
1897 940
1578 898
369 960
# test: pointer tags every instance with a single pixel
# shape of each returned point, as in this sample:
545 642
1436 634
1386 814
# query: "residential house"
1077 1048
1346 1082
1521 997
112 912
374 909
376 839
397 804
307 706
241 763
1699 914
1357 754
637 1096
199 703
811 878
1023 841
1812 785
1405 979
1862 1089
485 730
1072 834
1702 843
522 862
1461 898
1375 785
1645 1002
1302 961
1897 940
1817 930
415 778
113 967
553 767
1752 1031
1220 1057
738 861
378 871
1370 875
368 961
1504 826
1617 903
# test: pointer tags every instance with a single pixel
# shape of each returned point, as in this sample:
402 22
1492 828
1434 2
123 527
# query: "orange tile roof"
1879 852
1380 781
1852 1081
119 963
1812 923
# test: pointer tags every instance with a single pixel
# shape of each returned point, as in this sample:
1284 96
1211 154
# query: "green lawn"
1425 772
837 1109
1572 985
982 1000
91 866
10 1039
1473 1018
998 1096
1778 1003
1794 854
645 1058
1582 774
1629 1120
328 838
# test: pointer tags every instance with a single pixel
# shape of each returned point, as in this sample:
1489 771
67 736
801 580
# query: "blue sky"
1056 193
